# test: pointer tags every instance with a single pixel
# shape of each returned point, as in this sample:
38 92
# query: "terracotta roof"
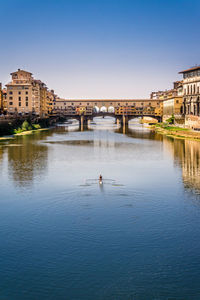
21 71
191 69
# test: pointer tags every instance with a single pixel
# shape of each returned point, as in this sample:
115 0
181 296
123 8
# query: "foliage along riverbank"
9 131
176 132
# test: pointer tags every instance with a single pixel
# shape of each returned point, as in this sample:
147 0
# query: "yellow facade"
172 101
1 98
173 106
50 100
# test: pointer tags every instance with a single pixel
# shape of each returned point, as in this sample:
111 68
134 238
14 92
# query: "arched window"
194 89
191 89
188 89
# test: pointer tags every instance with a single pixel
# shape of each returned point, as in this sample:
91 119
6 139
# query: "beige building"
19 93
172 102
1 99
26 95
191 96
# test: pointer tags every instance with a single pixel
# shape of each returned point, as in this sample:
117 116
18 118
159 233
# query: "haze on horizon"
100 48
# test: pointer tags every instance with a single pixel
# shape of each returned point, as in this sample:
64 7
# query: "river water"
63 236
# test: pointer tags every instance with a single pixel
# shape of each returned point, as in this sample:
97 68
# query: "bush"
171 120
18 130
26 126
36 126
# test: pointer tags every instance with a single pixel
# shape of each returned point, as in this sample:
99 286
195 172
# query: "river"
135 237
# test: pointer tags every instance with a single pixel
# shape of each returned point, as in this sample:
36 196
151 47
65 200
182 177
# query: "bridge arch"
111 109
103 109
96 109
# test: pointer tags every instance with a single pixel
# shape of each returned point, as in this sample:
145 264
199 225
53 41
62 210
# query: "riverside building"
191 96
172 102
1 99
26 95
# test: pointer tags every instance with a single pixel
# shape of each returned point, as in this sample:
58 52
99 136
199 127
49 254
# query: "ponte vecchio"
122 109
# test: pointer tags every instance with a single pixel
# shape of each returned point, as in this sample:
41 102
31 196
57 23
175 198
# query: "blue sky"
100 48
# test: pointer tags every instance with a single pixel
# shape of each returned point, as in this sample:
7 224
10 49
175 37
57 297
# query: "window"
10 93
80 103
26 103
20 98
88 103
149 103
177 101
65 103
26 98
10 98
10 103
72 103
19 93
26 93
20 104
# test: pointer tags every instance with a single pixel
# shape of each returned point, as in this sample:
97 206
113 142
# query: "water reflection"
131 238
186 153
27 156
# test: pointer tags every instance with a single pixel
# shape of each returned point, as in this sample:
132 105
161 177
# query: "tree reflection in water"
27 156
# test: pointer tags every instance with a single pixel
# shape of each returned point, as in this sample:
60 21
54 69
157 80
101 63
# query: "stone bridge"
122 110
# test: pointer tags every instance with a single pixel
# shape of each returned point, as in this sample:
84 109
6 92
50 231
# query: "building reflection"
140 132
187 155
27 156
191 165
1 155
27 159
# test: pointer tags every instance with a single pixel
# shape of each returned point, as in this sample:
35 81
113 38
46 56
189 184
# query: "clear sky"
100 48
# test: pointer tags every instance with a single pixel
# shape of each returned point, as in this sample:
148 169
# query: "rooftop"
190 70
19 70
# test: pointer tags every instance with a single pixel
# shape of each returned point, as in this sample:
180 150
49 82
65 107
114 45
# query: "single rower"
100 179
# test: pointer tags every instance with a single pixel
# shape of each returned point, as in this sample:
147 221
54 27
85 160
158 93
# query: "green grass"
171 128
